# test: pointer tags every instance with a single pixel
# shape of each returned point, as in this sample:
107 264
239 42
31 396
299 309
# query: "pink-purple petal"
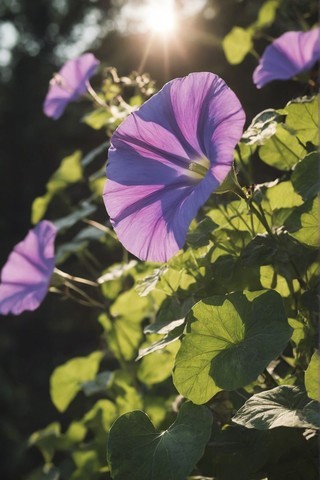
152 193
26 275
69 84
289 55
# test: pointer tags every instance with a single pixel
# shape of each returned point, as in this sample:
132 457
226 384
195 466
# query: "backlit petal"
288 55
25 276
155 185
69 84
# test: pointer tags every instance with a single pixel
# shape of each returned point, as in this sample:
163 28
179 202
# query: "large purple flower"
288 55
165 160
69 84
26 275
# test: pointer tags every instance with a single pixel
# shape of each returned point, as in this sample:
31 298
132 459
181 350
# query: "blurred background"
36 38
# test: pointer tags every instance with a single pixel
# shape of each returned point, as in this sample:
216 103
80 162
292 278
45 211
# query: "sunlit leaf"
47 440
157 366
308 230
282 150
267 13
312 377
229 341
117 270
237 44
284 406
87 463
283 195
98 118
262 127
302 119
305 177
103 413
148 283
123 332
298 333
69 172
136 451
270 279
67 380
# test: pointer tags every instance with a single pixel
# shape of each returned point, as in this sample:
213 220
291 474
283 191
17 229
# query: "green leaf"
171 315
47 440
39 207
103 413
136 451
284 406
302 119
312 377
130 305
69 172
237 44
305 177
98 118
282 150
118 270
127 397
171 337
283 195
269 278
298 333
262 127
308 233
87 463
123 332
148 283
68 221
122 335
267 14
67 380
230 339
47 472
157 366
238 453
236 216
78 243
99 384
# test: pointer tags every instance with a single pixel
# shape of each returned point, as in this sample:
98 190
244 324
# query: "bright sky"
157 16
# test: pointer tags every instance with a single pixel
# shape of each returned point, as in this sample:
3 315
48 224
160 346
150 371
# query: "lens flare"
160 17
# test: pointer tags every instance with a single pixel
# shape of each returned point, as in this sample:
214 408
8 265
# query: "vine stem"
74 278
94 95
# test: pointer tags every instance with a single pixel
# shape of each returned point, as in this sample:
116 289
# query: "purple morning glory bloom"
167 158
288 55
26 275
69 84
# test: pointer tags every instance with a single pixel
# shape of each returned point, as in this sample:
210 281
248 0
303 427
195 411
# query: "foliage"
207 365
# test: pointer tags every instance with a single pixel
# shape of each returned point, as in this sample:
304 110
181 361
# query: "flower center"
199 168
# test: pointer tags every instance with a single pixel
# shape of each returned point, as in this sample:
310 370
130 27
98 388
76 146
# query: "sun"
159 17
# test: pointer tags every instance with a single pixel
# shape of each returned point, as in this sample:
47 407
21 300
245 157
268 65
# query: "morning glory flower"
26 275
288 55
167 158
69 84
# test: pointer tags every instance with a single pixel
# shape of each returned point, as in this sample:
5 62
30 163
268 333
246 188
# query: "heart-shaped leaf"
136 451
284 406
312 377
229 342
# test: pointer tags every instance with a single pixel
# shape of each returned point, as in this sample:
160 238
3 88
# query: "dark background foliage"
32 146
